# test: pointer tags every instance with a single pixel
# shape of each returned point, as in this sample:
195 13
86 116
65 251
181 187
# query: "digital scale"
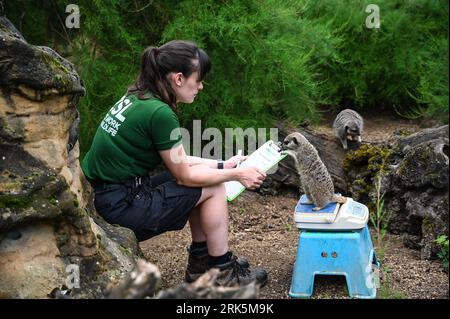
348 216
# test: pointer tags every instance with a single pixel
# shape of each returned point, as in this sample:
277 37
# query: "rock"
411 241
419 184
414 183
424 164
50 233
30 266
145 277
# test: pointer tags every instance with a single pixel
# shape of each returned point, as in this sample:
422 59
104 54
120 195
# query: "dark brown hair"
156 63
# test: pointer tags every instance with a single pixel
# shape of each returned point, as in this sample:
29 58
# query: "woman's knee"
217 190
214 191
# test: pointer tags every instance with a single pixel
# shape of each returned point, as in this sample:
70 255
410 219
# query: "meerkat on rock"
314 176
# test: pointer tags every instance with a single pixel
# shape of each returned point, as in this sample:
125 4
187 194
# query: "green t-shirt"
128 139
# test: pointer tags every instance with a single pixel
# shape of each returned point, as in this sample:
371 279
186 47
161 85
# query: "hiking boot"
198 263
232 274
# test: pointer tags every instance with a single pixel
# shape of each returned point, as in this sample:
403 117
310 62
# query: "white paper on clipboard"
265 157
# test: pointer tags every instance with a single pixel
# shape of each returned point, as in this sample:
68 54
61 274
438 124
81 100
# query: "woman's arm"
178 164
230 163
194 160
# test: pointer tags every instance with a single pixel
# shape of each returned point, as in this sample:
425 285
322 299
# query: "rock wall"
417 189
47 221
414 181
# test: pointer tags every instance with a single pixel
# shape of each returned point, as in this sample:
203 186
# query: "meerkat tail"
339 199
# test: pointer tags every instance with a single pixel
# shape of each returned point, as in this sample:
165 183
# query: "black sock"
218 260
198 244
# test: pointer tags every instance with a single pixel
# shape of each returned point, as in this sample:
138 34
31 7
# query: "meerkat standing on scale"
314 176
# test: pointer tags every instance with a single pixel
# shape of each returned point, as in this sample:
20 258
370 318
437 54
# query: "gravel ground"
262 229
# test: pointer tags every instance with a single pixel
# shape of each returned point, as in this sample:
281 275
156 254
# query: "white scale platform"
348 216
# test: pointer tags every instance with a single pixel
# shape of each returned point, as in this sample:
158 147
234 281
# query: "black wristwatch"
220 164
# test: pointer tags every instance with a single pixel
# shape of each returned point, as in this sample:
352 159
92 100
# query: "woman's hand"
233 161
251 177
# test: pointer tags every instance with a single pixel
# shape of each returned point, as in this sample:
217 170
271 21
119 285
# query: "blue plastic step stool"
348 253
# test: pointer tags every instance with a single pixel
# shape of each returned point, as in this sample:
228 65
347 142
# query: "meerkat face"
290 142
352 131
293 142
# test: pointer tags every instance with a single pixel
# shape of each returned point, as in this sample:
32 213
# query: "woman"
140 131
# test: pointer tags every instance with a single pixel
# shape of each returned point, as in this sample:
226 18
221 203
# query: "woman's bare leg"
209 220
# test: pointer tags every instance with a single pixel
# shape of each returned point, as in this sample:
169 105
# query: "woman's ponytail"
157 63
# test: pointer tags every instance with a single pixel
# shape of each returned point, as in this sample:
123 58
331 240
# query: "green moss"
427 155
375 157
76 203
404 132
53 63
11 186
126 250
365 188
58 80
52 200
11 201
61 73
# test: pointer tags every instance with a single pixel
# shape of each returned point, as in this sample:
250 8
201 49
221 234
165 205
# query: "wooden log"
139 283
143 280
205 288
425 135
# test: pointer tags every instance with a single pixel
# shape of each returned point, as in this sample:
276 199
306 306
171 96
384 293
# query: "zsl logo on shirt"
114 118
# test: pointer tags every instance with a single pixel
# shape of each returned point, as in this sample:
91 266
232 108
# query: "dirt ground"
262 229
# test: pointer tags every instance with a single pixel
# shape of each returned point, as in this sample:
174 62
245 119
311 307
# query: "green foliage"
260 52
442 242
287 59
27 15
402 65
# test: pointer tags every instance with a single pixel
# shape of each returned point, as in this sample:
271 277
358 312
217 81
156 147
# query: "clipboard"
265 157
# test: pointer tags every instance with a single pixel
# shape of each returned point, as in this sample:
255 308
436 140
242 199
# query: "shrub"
261 54
442 242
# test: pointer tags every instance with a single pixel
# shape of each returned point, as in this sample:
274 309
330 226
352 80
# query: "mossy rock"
28 189
374 157
424 164
35 67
